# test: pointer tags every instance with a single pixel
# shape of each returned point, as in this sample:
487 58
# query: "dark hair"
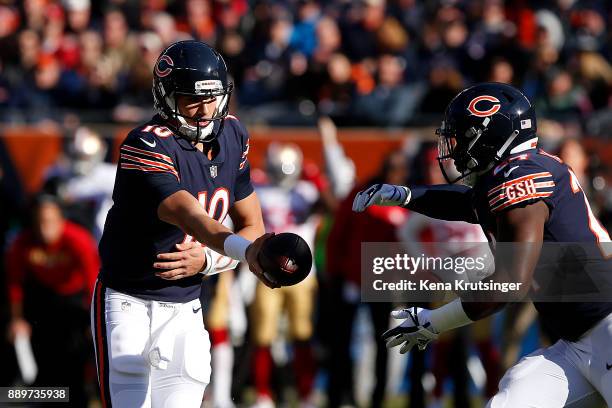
38 200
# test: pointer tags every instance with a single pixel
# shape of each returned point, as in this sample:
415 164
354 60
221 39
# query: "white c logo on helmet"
483 113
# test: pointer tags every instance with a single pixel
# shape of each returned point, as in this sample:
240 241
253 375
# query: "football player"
517 193
288 203
178 177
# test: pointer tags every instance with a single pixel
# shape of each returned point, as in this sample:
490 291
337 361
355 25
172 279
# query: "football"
285 258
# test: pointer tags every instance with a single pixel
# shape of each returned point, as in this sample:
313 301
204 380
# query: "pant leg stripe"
101 345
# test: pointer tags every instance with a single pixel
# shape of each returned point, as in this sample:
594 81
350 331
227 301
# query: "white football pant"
566 374
148 353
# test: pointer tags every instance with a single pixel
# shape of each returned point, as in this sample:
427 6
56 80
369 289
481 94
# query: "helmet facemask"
205 90
457 156
470 158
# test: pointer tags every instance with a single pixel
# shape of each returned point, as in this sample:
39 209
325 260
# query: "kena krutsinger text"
459 265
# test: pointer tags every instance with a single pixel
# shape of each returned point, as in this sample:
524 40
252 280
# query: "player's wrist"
406 195
208 262
394 195
236 247
448 317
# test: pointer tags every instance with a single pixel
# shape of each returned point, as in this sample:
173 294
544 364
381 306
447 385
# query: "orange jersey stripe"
520 200
130 166
148 153
145 161
518 180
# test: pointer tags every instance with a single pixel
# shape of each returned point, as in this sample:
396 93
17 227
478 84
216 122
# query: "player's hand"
416 329
251 255
188 261
18 326
381 194
327 130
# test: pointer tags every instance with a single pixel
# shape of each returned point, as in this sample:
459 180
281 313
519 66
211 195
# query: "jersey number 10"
219 198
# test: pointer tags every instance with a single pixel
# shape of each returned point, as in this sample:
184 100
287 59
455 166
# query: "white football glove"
416 329
381 194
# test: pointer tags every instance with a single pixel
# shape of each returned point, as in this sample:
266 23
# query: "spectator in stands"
392 102
501 71
544 60
201 23
265 80
51 268
564 99
328 42
134 103
337 93
303 37
442 46
360 27
445 81
78 14
35 14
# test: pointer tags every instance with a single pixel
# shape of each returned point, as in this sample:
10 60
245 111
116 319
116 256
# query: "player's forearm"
445 202
459 313
184 211
206 230
251 232
480 310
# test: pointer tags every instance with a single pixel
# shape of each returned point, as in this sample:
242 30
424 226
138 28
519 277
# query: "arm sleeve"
147 170
341 169
448 202
243 186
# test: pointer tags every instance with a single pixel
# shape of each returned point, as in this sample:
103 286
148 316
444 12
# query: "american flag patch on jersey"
133 158
520 189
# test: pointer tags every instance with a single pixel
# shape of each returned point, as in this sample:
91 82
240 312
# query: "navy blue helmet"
481 126
195 69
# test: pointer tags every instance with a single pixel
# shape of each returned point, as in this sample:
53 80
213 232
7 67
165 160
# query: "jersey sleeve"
243 186
146 167
519 183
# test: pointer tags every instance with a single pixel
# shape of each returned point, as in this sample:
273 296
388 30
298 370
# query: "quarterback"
178 177
517 193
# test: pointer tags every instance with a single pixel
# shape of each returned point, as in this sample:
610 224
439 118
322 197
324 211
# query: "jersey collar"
526 145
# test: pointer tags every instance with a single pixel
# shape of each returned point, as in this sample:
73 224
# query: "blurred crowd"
368 62
312 344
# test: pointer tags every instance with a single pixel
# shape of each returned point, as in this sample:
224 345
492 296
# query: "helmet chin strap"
471 178
505 146
202 134
195 133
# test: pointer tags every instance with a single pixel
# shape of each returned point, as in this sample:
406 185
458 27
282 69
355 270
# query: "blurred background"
336 94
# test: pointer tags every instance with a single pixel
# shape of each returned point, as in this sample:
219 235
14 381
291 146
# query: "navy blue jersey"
154 163
530 176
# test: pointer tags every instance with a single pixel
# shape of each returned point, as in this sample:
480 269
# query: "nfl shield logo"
213 171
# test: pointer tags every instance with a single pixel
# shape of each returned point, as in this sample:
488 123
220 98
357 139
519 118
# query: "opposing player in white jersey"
84 181
287 203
